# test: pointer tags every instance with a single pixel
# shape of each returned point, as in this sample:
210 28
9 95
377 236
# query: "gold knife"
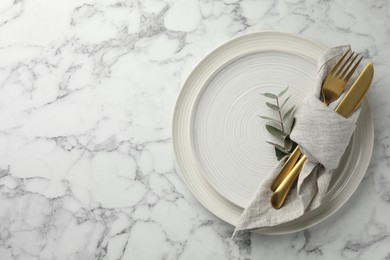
345 108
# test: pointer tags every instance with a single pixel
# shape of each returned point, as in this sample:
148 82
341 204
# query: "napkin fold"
322 135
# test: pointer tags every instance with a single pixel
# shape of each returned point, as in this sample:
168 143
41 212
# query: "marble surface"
87 89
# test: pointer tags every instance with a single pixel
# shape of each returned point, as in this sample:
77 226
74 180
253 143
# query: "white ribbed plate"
219 141
229 138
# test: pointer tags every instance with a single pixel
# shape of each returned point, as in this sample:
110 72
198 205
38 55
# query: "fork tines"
347 60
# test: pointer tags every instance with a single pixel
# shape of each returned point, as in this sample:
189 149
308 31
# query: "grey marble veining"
87 89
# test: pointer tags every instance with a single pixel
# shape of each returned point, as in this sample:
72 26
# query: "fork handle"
288 165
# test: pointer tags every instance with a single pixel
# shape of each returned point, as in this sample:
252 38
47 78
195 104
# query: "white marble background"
87 89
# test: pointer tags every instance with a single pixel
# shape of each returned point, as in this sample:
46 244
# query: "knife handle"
288 165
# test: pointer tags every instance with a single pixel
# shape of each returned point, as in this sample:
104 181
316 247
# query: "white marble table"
87 89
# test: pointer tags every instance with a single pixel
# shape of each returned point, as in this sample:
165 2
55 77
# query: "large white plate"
219 142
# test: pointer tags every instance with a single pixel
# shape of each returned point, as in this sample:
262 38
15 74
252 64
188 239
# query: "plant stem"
280 114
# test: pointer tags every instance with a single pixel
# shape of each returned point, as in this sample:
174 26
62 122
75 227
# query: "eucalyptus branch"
281 133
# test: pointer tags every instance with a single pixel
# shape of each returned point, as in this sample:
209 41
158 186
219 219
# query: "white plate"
219 141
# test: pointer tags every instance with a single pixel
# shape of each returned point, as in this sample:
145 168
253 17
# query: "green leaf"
289 113
270 95
288 143
272 106
283 92
285 101
269 118
281 148
291 126
279 154
275 132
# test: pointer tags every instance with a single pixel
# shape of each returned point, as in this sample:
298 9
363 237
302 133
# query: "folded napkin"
322 135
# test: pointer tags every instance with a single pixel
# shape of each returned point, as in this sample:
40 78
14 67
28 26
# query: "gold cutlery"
333 86
345 108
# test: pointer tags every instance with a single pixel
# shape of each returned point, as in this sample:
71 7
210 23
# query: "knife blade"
357 92
350 102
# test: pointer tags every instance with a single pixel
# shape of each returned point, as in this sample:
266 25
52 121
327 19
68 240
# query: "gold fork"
333 86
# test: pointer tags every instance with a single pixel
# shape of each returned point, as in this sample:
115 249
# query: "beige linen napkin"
324 142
